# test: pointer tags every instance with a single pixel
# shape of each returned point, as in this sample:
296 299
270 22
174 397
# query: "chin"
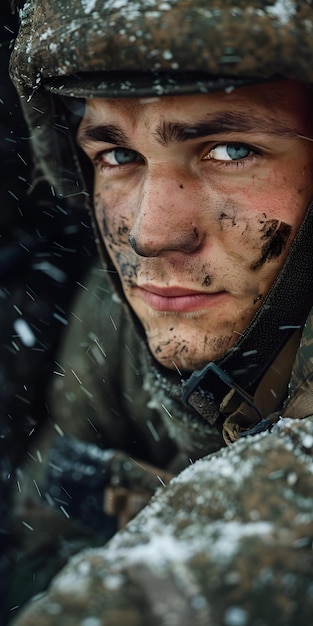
184 361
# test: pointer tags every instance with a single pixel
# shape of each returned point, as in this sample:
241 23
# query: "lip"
177 299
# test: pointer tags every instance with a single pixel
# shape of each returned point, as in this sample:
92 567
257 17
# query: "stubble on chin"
174 351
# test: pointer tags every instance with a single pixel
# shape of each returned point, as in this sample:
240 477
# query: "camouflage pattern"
235 516
175 35
227 543
300 389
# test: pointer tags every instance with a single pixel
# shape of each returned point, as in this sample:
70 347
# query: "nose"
166 219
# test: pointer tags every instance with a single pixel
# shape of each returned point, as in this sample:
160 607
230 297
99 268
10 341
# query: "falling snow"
88 5
283 10
24 332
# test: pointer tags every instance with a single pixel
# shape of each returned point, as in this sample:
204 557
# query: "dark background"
46 246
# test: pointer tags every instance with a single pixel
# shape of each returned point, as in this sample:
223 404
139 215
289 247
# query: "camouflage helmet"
90 48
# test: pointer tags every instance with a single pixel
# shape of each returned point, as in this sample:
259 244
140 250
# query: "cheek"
251 237
274 236
114 228
113 223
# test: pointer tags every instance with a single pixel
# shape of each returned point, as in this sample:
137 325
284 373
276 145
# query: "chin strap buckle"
206 399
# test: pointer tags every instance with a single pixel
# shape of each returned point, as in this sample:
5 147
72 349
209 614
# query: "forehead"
288 102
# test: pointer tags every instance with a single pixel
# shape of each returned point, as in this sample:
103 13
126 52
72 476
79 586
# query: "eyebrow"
172 132
107 133
224 122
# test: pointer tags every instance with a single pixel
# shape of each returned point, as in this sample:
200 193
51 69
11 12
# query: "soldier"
187 130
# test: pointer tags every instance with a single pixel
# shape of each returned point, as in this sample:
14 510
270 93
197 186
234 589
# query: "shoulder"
229 538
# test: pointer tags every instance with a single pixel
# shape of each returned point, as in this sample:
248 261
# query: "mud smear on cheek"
120 237
227 219
275 235
127 270
107 236
116 242
230 216
124 254
122 233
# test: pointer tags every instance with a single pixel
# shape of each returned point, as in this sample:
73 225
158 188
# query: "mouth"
177 299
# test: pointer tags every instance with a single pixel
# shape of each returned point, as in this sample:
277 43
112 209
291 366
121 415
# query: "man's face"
198 199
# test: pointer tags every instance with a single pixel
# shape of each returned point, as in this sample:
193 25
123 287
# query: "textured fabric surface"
251 499
229 542
202 36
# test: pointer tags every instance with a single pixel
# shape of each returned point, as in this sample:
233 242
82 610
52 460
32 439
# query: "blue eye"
230 152
123 156
237 151
119 156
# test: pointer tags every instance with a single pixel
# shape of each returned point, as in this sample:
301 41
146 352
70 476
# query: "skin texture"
198 199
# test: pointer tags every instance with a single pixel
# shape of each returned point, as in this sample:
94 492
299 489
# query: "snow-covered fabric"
227 543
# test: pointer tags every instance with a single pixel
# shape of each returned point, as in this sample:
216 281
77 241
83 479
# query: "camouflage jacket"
227 541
